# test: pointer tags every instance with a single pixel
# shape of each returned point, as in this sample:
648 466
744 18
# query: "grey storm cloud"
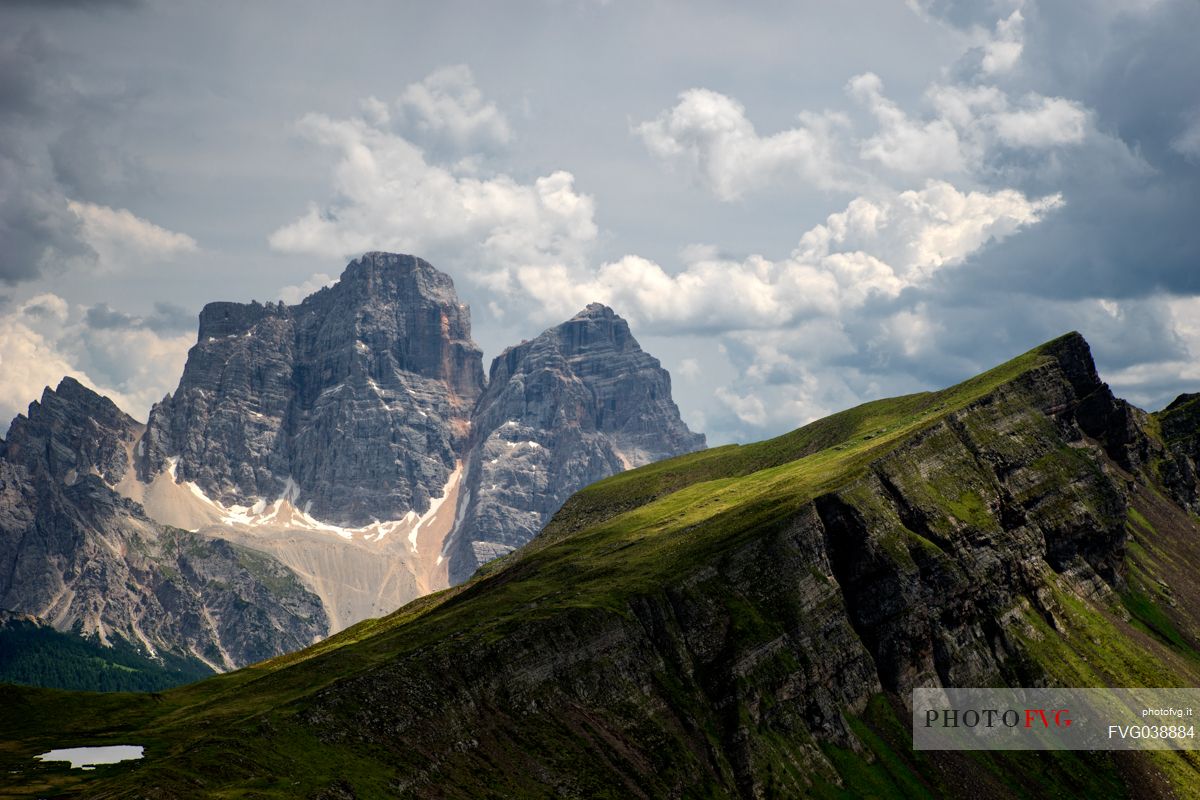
71 4
57 144
105 317
34 218
1128 227
166 318
34 222
89 165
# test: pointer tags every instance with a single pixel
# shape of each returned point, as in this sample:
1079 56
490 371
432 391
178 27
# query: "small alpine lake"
89 757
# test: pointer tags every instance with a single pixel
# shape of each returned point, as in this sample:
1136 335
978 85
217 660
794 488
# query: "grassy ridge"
860 431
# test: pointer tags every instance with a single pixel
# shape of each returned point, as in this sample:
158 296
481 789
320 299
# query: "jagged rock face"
79 556
358 403
360 395
577 404
1047 506
72 431
1179 423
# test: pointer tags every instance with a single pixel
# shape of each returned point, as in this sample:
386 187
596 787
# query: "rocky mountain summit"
580 402
357 401
70 433
76 554
318 464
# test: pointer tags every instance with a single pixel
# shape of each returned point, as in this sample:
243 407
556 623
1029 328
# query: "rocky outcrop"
77 555
1179 425
938 544
580 402
354 404
69 433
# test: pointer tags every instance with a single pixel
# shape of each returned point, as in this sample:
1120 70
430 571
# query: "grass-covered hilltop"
745 621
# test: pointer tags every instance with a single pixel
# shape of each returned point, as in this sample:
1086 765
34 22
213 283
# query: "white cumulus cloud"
903 144
873 248
446 106
709 134
119 237
1003 49
965 130
922 231
969 125
46 338
389 196
1042 122
747 408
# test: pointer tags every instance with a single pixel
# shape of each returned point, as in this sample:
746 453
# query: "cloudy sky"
797 205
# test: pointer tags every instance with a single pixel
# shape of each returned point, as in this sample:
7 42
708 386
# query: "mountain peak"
379 261
71 431
1074 357
380 274
579 402
81 402
596 311
70 386
70 390
360 395
1181 401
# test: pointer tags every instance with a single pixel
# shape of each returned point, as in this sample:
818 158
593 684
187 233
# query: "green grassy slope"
849 439
251 733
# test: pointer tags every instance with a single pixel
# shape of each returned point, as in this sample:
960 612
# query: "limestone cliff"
354 403
580 402
77 555
1179 423
363 411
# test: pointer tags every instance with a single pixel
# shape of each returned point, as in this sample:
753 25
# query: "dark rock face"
1180 426
368 393
1047 506
360 395
1116 424
577 404
72 431
79 556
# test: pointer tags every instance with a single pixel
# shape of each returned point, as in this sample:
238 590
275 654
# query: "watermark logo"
1054 719
991 717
